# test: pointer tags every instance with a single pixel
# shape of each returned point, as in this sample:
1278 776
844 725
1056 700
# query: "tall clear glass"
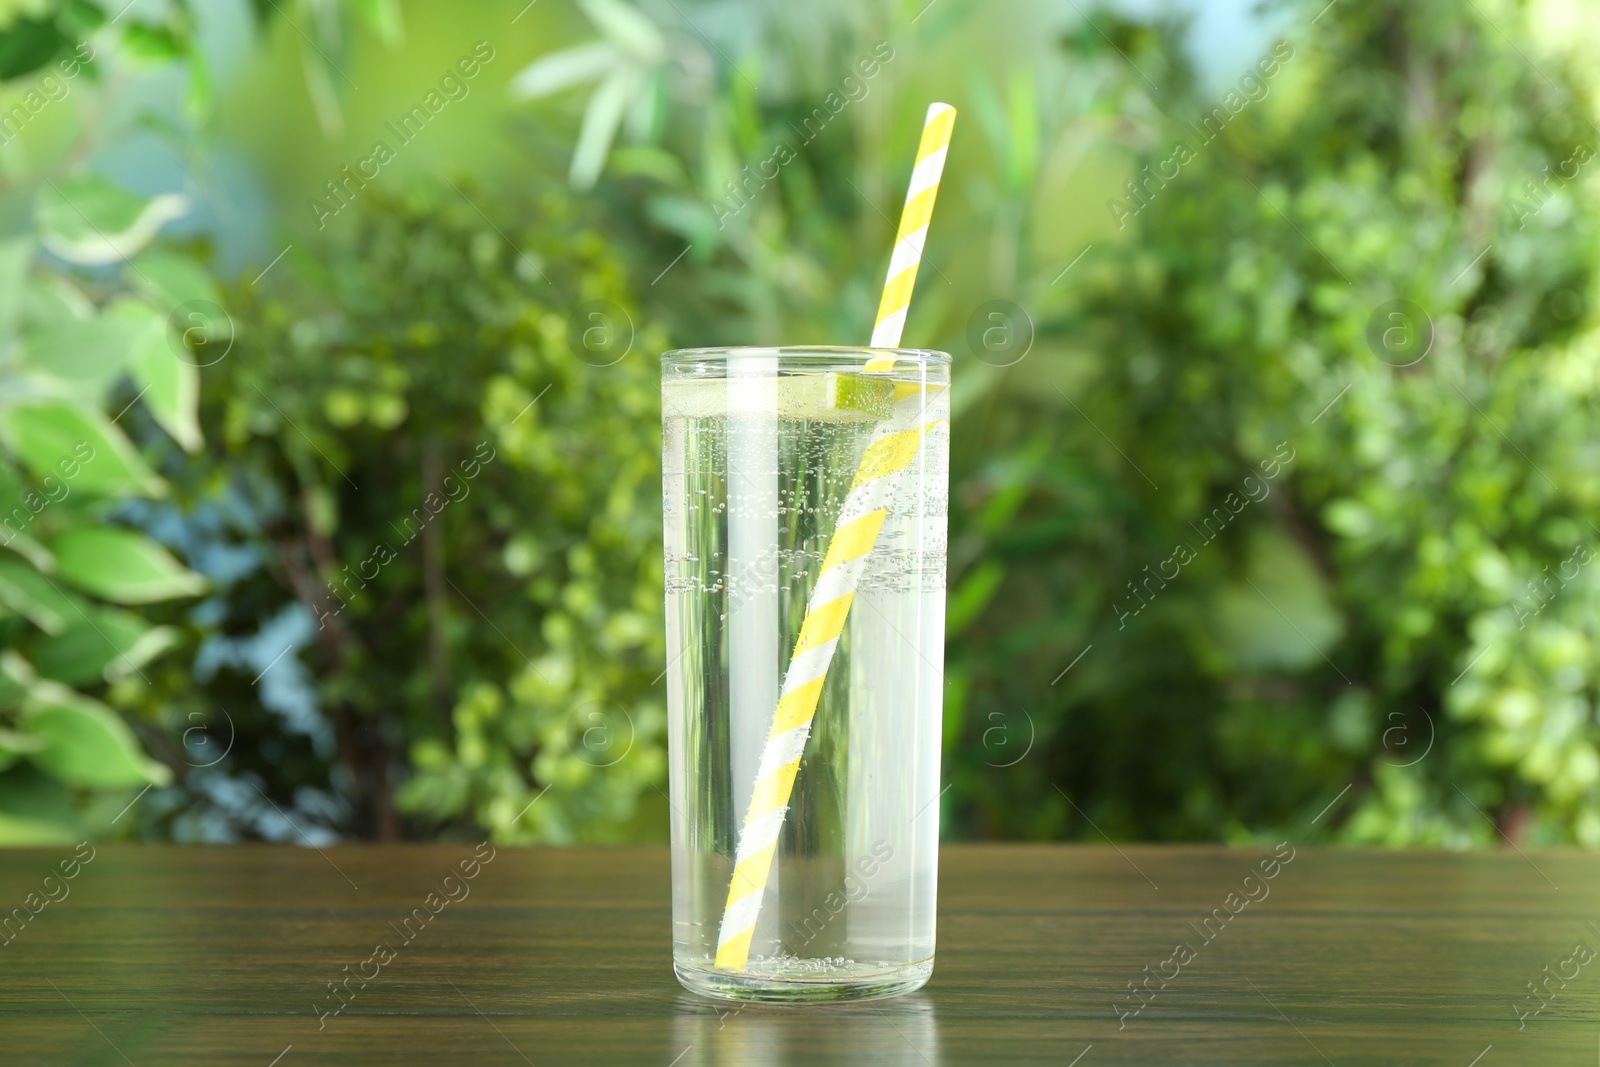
760 448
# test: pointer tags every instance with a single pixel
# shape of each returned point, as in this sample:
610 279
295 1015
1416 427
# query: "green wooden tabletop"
221 956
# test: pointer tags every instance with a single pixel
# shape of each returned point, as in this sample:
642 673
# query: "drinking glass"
760 449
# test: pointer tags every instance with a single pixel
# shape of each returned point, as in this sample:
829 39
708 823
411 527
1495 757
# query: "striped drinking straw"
913 232
891 451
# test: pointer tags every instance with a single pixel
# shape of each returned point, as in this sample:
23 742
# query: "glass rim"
866 353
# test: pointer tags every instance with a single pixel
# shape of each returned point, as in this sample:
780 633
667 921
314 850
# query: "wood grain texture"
217 956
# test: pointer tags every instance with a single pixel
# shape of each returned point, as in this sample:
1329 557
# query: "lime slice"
858 393
830 397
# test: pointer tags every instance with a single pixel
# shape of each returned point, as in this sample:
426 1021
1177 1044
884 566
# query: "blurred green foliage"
450 511
1333 276
92 321
1289 598
1276 483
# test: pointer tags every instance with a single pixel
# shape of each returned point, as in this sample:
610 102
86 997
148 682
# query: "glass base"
791 980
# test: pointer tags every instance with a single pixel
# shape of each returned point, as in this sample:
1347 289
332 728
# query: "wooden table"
159 956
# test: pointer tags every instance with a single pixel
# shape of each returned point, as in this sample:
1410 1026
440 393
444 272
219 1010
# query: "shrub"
434 528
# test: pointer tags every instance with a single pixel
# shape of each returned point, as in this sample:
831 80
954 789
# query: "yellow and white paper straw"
913 233
891 451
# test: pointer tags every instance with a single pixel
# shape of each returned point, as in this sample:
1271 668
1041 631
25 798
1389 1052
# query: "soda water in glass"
760 447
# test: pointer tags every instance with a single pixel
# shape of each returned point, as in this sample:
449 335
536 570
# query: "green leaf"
145 43
12 489
18 506
384 18
564 69
79 446
1249 622
155 641
17 679
104 644
600 122
122 566
973 594
87 220
86 743
192 303
80 351
648 161
36 810
628 27
171 280
79 18
13 746
36 598
15 254
169 385
50 298
319 70
201 90
27 548
28 44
